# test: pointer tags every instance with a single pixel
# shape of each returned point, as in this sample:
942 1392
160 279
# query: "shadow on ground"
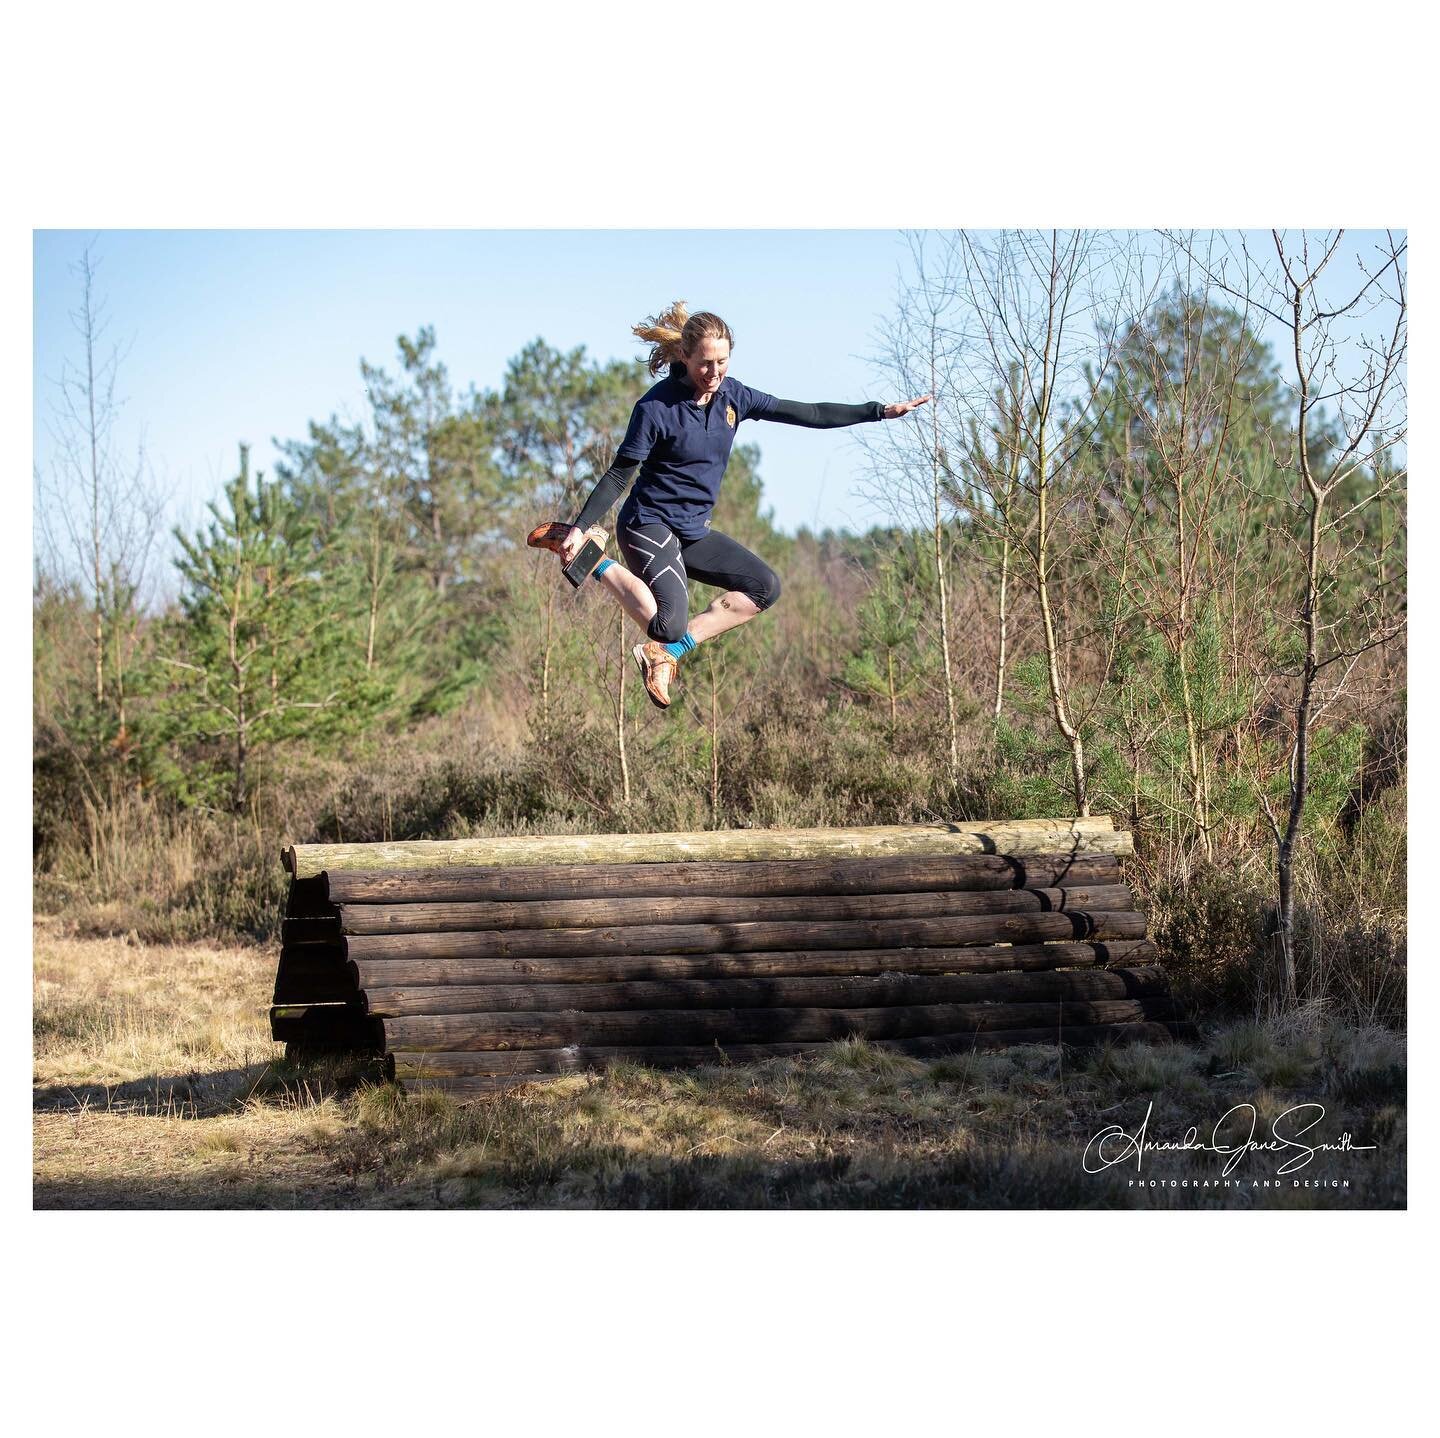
158 1095
200 1192
202 1095
992 1181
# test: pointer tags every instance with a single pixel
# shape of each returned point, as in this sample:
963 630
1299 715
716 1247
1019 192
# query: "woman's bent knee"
763 596
668 628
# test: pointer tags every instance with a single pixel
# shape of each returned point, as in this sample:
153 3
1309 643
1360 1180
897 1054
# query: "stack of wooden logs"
477 964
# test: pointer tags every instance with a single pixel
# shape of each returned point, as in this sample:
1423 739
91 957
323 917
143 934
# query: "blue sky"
236 335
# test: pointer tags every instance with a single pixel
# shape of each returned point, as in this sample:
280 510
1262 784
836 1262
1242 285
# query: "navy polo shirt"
683 448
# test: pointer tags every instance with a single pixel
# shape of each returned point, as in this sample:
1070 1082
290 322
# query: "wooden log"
1096 834
624 968
315 930
750 938
601 913
314 974
325 1027
921 873
413 1067
790 993
480 1085
307 898
448 1033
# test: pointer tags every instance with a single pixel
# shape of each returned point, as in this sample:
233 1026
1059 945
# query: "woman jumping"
679 438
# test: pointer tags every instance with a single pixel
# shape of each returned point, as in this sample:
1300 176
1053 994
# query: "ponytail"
674 333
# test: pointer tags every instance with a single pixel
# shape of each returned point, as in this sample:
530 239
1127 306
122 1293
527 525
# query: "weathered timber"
481 1085
750 938
601 913
624 968
325 1027
314 929
307 898
904 874
1095 834
314 974
806 993
413 1067
453 1032
498 953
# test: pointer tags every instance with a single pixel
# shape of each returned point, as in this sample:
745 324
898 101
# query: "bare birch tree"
96 515
1344 323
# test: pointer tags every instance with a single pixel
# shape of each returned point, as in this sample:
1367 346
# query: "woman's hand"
573 543
894 411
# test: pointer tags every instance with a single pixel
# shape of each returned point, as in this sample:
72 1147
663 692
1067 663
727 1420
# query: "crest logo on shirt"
730 415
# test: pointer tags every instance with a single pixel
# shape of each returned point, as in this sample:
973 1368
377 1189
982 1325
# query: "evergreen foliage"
251 658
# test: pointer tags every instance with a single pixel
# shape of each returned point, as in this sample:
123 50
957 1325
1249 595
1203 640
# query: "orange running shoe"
552 535
549 536
658 668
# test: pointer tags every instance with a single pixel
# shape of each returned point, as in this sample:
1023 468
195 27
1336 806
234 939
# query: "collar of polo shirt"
681 375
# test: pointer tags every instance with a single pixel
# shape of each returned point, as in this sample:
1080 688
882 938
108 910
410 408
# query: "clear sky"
234 336
248 335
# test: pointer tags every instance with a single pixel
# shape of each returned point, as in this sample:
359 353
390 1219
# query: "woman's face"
707 365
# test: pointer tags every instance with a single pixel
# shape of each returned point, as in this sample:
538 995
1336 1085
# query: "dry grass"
156 1085
127 1023
144 1057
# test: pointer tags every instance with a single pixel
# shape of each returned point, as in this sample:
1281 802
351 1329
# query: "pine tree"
890 660
253 658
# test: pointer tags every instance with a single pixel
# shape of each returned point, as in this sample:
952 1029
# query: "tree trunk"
545 661
1299 759
620 715
1052 656
374 598
99 637
1300 752
1042 577
1004 624
714 745
1012 483
939 535
240 754
237 668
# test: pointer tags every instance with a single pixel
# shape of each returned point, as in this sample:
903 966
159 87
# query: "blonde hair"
675 333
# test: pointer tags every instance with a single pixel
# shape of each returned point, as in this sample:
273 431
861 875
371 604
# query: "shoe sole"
539 538
638 655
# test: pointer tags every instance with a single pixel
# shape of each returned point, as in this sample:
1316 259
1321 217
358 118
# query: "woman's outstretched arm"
836 416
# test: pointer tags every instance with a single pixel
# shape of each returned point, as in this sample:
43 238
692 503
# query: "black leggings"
664 561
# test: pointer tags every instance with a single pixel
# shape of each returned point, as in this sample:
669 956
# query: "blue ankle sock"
601 568
682 646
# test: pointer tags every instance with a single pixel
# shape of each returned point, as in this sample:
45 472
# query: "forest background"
1147 557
